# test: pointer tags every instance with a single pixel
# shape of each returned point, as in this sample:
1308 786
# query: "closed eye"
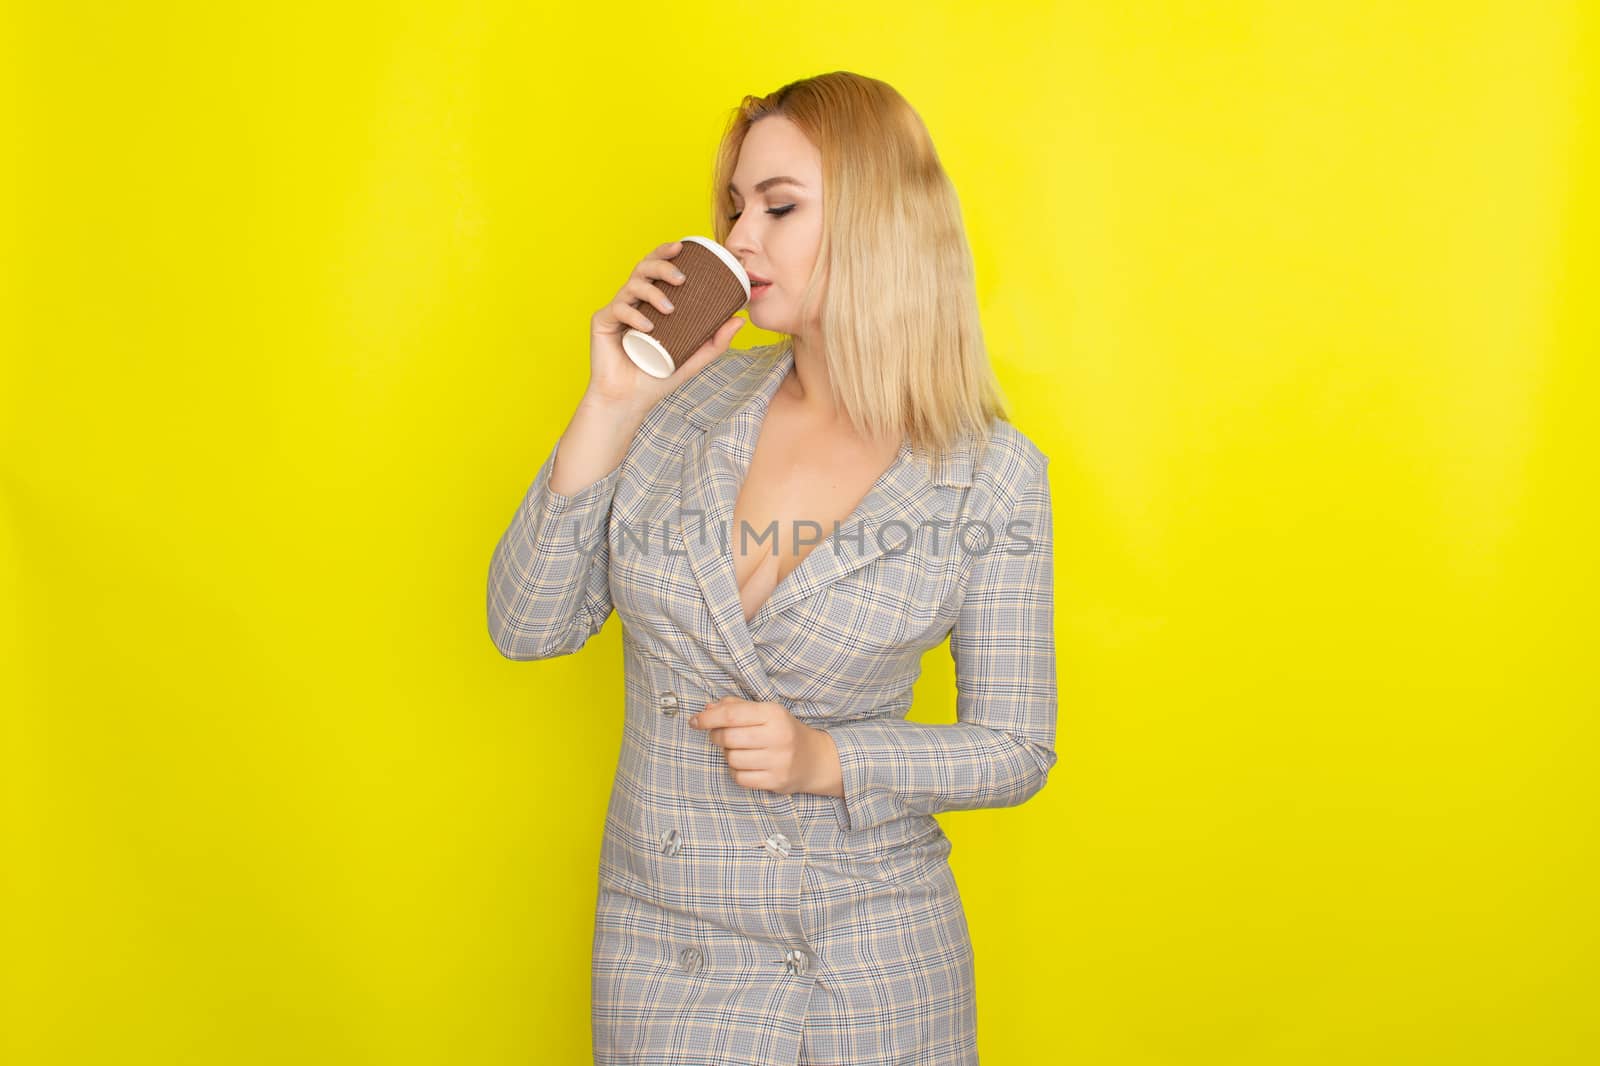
776 212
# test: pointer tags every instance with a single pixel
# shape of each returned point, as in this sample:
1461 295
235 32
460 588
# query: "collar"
739 384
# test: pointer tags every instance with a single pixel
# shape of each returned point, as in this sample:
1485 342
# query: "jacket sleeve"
549 579
1002 746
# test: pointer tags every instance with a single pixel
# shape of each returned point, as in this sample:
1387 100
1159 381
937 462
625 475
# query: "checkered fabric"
736 925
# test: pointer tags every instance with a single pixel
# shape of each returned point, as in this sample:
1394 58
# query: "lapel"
717 455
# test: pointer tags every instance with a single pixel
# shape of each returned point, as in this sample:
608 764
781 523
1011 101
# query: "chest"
851 641
798 486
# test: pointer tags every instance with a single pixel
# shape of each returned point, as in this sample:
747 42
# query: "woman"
773 887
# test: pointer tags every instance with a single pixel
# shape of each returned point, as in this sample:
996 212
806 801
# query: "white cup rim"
648 354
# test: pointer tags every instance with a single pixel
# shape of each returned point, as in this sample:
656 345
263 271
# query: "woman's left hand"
766 746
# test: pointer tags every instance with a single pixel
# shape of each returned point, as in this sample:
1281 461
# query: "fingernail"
678 276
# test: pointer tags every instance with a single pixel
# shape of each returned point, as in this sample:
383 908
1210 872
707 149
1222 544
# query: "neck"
807 384
806 390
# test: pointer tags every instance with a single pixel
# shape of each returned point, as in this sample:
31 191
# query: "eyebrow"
763 186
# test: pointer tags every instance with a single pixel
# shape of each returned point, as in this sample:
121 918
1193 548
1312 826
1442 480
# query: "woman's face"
777 230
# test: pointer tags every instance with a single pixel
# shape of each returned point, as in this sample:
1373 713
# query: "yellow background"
1298 297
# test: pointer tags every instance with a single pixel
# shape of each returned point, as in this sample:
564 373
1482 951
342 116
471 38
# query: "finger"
720 715
626 312
670 249
645 290
746 759
657 267
664 269
741 738
719 343
691 366
761 780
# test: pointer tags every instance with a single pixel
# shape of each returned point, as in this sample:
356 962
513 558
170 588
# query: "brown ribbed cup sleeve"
708 297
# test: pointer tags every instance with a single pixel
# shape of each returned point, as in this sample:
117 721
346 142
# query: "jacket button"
671 842
690 959
795 961
777 844
669 703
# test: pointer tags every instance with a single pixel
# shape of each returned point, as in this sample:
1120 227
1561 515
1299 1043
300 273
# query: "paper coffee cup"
715 286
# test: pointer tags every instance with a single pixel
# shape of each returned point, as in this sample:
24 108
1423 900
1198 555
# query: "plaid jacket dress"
736 925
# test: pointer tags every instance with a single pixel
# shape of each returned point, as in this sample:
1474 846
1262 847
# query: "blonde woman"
784 532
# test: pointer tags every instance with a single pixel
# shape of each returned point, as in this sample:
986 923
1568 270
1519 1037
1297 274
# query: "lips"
756 279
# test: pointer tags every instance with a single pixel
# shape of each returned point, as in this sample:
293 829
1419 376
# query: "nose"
738 243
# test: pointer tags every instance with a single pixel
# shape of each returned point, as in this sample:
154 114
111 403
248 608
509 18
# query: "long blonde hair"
899 317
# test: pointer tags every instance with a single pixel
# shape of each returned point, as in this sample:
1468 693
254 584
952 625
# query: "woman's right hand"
613 377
